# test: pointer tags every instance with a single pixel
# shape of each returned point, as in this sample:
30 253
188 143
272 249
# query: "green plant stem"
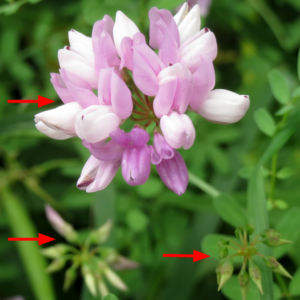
284 287
273 178
203 185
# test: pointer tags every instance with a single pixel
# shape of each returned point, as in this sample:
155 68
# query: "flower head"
133 81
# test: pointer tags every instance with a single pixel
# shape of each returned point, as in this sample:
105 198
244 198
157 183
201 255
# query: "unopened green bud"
255 275
270 233
218 272
70 276
100 235
89 279
244 280
102 286
56 265
239 231
226 272
223 252
276 241
250 229
114 279
272 263
55 251
110 255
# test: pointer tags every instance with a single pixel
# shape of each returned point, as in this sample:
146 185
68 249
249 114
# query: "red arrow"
42 101
196 255
42 239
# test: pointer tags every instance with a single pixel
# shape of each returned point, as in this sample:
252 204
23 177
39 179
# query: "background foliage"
254 37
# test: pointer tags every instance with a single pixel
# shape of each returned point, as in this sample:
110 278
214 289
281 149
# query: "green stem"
34 263
203 185
284 287
273 179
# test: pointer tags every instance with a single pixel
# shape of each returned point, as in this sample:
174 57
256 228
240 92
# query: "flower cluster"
247 250
94 260
135 82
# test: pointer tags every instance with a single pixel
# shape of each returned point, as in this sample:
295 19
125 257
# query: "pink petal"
61 88
126 53
104 86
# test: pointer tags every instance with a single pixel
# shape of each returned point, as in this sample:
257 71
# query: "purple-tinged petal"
107 25
174 174
126 53
190 133
162 147
88 173
104 86
155 157
156 36
136 164
144 76
120 97
136 138
203 83
61 88
138 38
163 101
67 76
105 174
83 96
105 151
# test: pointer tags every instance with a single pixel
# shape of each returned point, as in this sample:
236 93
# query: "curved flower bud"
224 107
95 123
188 25
112 90
52 133
114 279
174 174
255 275
178 130
226 271
175 87
276 267
123 27
78 65
61 88
96 175
136 159
162 150
244 281
61 118
201 44
105 51
203 83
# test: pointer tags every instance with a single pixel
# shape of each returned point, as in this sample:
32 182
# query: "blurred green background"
254 36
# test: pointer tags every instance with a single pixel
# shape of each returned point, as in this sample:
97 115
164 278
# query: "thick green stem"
284 287
34 263
204 186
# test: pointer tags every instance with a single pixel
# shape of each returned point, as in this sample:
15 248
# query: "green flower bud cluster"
246 248
89 256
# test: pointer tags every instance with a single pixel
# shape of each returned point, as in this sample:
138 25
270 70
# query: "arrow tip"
42 101
43 239
199 255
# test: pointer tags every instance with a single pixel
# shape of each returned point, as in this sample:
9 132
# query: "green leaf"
210 245
286 227
153 187
299 65
110 297
230 211
284 110
32 259
294 286
279 86
265 121
296 93
137 220
232 290
285 173
8 271
166 4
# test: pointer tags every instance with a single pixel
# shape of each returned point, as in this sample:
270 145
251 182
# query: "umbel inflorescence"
132 81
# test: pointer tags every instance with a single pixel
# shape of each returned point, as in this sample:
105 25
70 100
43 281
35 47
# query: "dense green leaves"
298 65
110 297
279 86
166 4
265 122
230 211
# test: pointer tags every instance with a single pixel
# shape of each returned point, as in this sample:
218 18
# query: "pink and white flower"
160 88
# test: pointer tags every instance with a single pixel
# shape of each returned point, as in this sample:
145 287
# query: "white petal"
181 13
224 107
54 134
